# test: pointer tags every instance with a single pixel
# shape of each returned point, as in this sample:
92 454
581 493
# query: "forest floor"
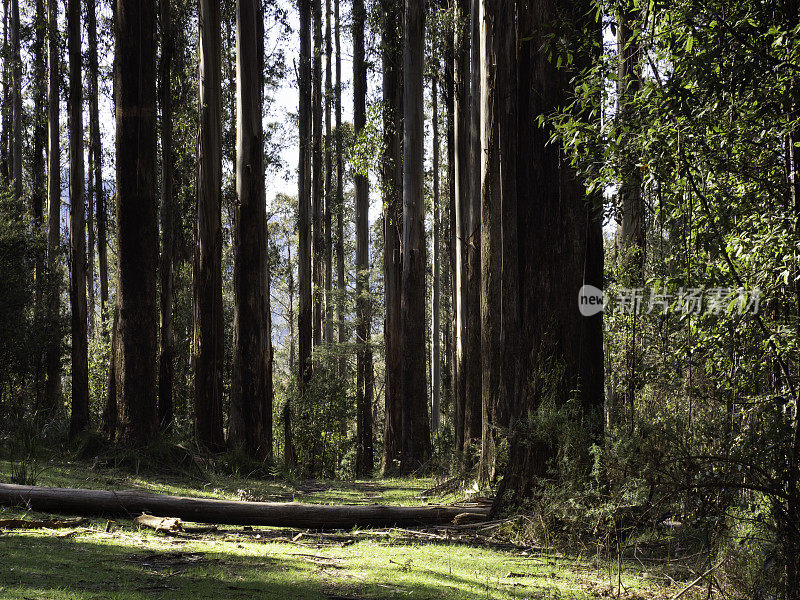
116 560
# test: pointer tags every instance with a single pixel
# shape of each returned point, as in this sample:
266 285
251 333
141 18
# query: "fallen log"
131 503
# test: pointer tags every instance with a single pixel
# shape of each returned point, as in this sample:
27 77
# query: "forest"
366 299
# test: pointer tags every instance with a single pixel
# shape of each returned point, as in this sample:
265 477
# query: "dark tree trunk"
96 163
436 334
451 376
209 350
461 175
554 220
416 426
96 195
251 358
340 280
318 238
328 178
137 222
5 142
79 418
392 187
16 109
166 367
38 184
52 389
473 411
304 316
363 406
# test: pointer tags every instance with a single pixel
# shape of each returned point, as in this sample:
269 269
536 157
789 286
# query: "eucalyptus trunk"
416 426
251 344
137 223
304 316
79 418
318 238
209 331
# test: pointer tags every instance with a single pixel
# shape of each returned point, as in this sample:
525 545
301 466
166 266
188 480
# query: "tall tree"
16 107
318 238
5 141
38 183
96 195
416 427
209 342
461 176
364 458
79 419
304 315
559 349
329 200
251 345
436 365
96 161
473 408
166 365
137 222
340 280
392 188
53 352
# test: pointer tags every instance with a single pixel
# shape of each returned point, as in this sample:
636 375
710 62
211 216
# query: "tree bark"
363 407
166 365
318 238
304 316
209 349
96 174
340 280
38 186
473 411
79 418
461 134
436 365
561 350
137 228
329 200
211 510
96 164
251 360
392 187
52 389
416 426
16 108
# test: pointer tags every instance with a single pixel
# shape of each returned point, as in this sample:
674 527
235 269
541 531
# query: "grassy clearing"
124 563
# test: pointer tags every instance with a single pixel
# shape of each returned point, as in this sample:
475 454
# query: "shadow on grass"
46 566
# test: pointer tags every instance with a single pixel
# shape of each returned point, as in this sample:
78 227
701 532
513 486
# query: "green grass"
125 563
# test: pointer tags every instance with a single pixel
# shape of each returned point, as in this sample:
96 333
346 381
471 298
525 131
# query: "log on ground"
130 503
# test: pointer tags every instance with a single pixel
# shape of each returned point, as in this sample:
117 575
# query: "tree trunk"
340 280
436 365
209 349
251 344
166 365
96 173
38 183
328 179
416 426
491 232
304 316
461 133
318 239
79 418
16 108
137 224
560 350
392 187
232 512
473 411
363 409
5 142
52 389
96 164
